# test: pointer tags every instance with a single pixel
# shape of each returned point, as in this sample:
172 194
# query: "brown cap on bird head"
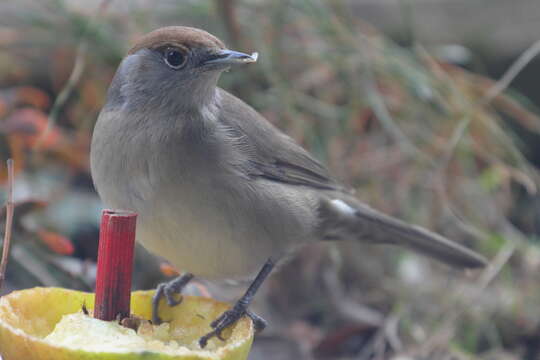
177 36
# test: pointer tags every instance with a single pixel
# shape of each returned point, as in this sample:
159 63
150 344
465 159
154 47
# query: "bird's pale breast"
200 218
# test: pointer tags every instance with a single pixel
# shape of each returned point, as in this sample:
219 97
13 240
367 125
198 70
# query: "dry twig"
525 58
491 94
461 129
9 223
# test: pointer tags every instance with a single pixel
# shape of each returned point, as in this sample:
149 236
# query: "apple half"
27 317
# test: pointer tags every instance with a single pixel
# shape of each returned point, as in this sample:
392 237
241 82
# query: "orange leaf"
168 270
56 242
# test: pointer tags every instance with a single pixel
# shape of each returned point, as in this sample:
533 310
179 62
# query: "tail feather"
340 220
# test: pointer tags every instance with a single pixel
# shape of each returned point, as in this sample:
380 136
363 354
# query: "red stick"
115 264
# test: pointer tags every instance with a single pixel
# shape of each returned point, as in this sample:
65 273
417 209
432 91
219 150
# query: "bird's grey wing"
270 153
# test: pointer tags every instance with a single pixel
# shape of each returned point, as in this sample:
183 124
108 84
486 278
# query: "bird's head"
174 64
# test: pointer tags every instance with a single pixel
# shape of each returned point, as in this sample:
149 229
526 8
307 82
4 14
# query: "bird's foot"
230 317
170 291
240 309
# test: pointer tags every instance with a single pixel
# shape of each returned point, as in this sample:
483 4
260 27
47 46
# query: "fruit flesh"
83 332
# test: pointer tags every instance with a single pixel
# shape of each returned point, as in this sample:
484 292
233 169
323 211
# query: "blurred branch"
513 71
460 130
367 50
491 94
383 115
74 77
9 223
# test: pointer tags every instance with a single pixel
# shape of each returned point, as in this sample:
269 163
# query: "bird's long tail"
341 220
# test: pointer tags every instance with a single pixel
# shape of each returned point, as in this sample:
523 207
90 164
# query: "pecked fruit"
28 317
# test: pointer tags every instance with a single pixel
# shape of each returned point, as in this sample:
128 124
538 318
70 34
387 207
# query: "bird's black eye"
174 57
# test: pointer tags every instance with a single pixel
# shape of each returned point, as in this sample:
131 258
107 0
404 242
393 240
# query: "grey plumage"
219 189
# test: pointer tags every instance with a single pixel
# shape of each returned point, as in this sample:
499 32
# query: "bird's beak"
229 57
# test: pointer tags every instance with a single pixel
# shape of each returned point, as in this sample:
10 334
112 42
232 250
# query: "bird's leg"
168 290
240 309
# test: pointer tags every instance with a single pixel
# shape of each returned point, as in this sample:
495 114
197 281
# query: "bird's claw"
168 291
228 318
258 322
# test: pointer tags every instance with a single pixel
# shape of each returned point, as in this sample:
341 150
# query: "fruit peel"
27 316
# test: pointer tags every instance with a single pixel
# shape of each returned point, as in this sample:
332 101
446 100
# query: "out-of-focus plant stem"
9 223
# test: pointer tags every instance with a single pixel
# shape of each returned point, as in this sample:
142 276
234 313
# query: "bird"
219 190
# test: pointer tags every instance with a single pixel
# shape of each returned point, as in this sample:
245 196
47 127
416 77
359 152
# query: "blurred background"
429 108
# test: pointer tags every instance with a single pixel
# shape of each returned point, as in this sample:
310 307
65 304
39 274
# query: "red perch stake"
115 264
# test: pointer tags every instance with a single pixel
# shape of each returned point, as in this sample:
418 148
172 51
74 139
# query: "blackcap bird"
219 190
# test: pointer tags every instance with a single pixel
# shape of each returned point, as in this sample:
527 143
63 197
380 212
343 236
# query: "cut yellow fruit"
28 317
